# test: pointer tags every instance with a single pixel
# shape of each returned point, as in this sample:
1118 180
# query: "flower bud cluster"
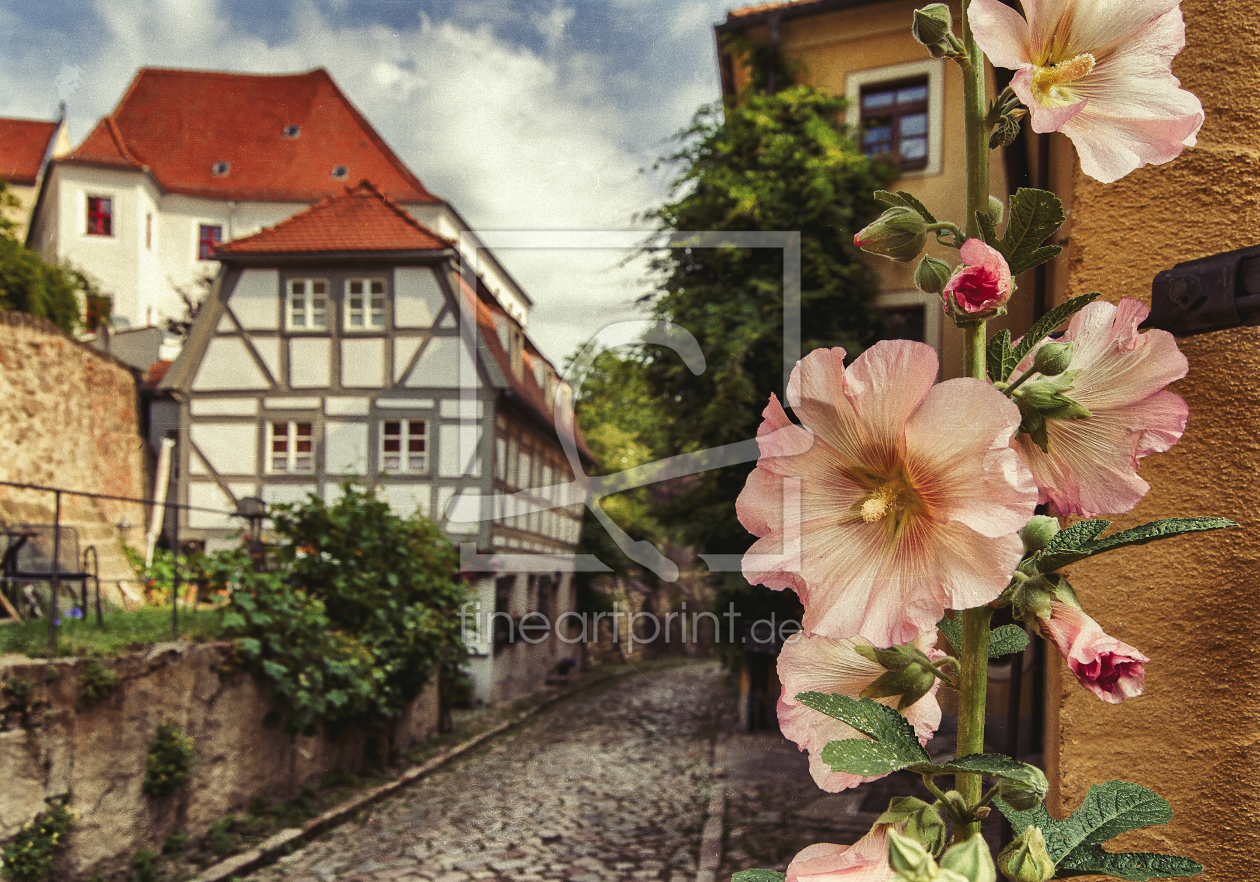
898 234
933 26
1026 859
968 861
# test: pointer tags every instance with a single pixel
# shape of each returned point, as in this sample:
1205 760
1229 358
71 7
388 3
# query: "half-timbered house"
344 343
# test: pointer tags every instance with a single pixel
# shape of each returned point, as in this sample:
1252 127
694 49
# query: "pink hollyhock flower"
1101 73
983 286
864 861
910 497
816 664
1089 466
1110 669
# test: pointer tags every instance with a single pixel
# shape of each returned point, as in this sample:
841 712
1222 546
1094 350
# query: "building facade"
190 159
902 105
26 147
344 344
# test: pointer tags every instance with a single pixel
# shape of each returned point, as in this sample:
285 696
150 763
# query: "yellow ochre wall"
1193 603
831 45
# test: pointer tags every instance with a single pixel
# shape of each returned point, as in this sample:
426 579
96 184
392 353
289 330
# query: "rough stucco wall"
97 752
1191 604
68 418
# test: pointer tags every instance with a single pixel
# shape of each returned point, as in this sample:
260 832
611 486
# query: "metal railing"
55 575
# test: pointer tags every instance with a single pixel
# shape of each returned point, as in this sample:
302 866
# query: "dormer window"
292 131
340 172
219 169
308 304
365 304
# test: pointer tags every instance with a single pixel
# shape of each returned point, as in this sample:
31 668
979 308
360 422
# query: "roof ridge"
375 136
397 209
116 135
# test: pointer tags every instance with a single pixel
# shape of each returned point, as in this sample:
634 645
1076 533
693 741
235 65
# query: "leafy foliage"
1080 541
1075 844
361 610
759 876
31 285
30 855
901 197
894 747
171 759
1002 357
769 162
97 682
1003 640
1032 215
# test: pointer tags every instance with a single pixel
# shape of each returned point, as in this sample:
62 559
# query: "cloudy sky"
532 114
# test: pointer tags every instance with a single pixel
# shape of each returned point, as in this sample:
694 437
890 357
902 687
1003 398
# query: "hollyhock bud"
1053 359
1026 858
996 209
932 274
917 820
898 234
1038 532
932 23
1025 794
970 860
1105 666
981 288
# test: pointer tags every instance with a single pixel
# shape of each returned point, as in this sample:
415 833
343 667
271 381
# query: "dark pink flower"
982 286
1105 666
864 861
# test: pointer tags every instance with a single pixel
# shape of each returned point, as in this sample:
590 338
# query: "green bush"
30 855
97 682
144 866
170 763
361 609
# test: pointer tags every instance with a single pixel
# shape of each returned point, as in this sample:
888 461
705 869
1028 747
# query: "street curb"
278 845
711 835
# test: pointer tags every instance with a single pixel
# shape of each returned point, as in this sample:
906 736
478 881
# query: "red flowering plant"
898 507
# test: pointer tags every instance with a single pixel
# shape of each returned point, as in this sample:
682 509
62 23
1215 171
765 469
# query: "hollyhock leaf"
867 758
995 765
759 876
1002 640
872 719
1080 533
1047 323
987 231
1033 216
1000 358
1061 555
1007 639
952 629
902 198
1075 843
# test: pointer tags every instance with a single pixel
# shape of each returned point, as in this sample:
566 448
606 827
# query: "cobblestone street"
609 785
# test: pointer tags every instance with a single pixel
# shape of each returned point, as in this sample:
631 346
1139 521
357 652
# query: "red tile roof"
23 145
360 219
155 374
180 123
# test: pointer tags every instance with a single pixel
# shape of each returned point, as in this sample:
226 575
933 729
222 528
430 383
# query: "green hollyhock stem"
974 663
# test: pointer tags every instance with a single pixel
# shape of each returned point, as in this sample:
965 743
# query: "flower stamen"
879 504
1052 83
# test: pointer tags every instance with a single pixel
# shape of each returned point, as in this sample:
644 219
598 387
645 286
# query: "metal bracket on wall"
1208 294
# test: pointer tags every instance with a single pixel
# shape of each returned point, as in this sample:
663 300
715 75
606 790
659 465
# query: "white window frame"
292 463
932 311
309 311
406 462
363 305
934 70
89 195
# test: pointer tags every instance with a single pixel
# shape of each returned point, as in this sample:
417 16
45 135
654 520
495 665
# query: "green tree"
29 284
763 163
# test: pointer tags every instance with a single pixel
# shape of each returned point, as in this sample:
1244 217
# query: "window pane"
914 148
878 99
391 445
378 310
303 461
912 94
319 304
355 307
914 124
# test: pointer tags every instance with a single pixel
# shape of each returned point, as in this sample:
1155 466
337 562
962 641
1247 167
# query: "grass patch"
121 633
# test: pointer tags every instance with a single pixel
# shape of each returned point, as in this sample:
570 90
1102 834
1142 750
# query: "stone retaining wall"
60 744
69 418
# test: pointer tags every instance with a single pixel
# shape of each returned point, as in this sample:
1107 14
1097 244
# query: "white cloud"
515 138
